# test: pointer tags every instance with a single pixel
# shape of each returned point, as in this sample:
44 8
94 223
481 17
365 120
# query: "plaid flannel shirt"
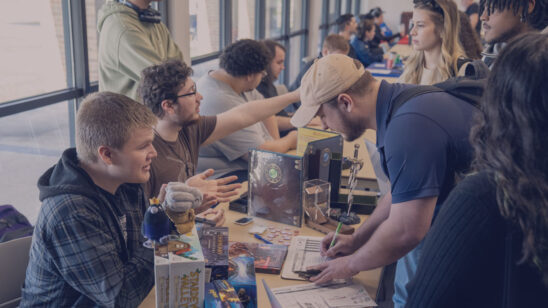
80 256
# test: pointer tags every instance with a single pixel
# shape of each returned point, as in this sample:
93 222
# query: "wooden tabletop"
369 279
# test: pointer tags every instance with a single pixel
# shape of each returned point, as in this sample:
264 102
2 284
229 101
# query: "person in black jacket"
377 14
488 246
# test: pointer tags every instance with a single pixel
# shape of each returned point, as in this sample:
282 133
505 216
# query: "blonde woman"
436 45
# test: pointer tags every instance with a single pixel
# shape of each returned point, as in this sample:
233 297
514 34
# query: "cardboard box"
214 241
179 272
241 275
220 293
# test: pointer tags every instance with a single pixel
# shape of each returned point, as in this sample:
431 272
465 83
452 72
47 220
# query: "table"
403 50
369 279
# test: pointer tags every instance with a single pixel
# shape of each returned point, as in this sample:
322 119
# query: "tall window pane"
243 19
32 53
273 18
294 58
344 7
295 12
333 14
92 7
30 143
204 27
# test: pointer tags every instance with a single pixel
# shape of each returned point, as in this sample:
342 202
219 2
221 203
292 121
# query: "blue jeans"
405 270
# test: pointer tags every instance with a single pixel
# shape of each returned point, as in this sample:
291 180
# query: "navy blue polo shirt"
425 144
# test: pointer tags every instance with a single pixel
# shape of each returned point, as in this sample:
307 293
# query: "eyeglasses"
195 90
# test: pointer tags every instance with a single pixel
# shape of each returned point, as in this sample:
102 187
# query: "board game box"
179 271
214 241
269 258
241 275
275 186
220 293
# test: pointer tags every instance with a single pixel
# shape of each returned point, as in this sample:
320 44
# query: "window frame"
77 68
260 20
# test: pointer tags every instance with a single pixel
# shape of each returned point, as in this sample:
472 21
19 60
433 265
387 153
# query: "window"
334 11
30 143
273 19
32 57
92 7
41 76
296 12
294 59
243 19
204 27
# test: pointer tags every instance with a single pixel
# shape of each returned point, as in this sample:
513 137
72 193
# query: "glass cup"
316 200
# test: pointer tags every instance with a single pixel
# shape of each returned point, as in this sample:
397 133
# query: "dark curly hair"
538 19
161 82
244 57
511 141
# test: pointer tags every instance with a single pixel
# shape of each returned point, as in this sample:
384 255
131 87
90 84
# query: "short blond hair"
107 119
336 42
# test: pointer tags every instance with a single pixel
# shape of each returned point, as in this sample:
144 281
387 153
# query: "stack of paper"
338 294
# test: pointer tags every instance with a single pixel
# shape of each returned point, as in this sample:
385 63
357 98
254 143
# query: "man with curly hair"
504 20
242 67
169 91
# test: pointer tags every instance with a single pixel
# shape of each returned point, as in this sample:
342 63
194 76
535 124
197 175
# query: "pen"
261 238
335 235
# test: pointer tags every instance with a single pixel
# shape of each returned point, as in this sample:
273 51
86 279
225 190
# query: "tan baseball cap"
327 77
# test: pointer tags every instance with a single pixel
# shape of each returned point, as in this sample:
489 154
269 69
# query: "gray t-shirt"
225 155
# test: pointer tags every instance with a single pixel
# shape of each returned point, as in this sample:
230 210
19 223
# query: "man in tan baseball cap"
422 145
332 78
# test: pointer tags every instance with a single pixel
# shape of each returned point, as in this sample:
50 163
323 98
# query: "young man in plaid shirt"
87 246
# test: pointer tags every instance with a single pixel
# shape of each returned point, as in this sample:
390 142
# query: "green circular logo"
273 173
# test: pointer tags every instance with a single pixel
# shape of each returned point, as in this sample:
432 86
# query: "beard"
352 129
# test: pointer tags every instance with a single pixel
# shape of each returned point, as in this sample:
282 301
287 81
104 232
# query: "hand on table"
218 190
292 137
335 269
216 215
344 245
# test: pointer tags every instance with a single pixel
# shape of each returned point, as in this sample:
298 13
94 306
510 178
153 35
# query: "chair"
406 20
14 258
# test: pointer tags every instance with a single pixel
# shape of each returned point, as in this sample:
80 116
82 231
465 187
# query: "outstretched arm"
249 113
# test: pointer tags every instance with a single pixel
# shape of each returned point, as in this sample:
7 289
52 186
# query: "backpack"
475 69
465 88
13 224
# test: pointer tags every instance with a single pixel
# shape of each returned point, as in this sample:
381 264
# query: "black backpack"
467 89
13 224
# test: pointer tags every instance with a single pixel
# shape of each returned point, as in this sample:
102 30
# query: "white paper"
303 252
338 294
379 71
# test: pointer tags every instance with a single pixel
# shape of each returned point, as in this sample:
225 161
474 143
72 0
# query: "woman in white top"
435 42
